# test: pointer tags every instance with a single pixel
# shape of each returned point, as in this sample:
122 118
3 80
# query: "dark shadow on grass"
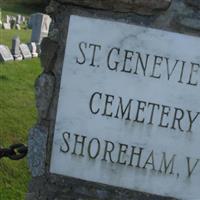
3 77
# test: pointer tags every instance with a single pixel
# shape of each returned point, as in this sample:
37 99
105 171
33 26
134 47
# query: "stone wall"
177 15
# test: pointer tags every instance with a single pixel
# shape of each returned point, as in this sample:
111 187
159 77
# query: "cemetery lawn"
7 35
17 116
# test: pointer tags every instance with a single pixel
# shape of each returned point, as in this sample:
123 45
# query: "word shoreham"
124 154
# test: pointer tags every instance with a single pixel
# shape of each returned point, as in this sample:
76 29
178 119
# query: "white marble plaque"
129 108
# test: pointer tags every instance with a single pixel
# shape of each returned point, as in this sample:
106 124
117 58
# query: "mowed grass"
17 103
7 35
17 115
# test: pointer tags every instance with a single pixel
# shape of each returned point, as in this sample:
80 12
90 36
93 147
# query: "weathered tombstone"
6 26
40 26
33 49
25 51
18 27
7 19
118 103
18 19
5 54
15 48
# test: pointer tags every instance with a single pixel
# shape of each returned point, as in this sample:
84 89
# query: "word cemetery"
128 112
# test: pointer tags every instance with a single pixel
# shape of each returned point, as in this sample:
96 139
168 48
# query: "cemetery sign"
129 108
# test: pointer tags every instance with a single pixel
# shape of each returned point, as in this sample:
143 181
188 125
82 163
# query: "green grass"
17 115
17 102
7 35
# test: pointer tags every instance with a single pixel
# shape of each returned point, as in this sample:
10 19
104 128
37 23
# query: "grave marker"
33 49
40 26
25 51
15 48
18 20
6 26
5 54
8 19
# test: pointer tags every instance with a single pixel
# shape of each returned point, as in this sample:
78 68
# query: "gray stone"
44 93
193 3
48 56
33 49
6 26
25 51
40 26
189 21
37 150
140 6
5 54
15 48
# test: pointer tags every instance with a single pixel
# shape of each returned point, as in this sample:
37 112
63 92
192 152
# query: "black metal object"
14 152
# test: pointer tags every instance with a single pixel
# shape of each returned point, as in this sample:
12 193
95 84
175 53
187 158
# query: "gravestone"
18 27
5 54
25 51
118 103
40 27
8 19
6 26
33 49
18 19
15 48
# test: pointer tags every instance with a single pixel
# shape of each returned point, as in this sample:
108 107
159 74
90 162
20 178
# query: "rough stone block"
44 92
48 54
193 3
37 150
139 6
189 21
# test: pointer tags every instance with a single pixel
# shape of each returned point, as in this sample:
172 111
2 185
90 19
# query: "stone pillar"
180 16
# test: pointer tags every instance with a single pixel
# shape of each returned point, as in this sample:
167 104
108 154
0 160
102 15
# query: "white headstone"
18 20
7 19
33 49
6 26
40 26
5 54
25 51
129 108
